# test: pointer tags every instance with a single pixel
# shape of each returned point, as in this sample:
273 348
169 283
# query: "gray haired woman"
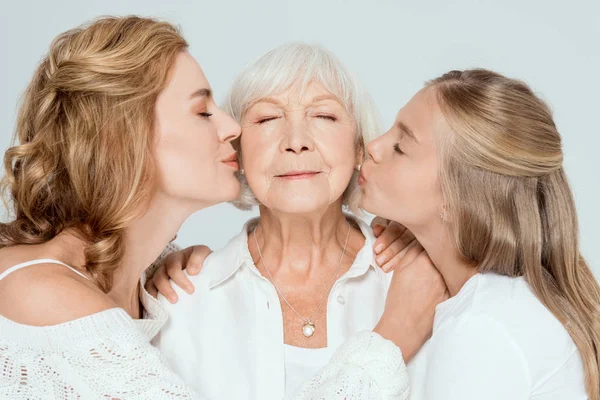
271 308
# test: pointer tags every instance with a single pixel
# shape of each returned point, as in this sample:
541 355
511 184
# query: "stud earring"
358 167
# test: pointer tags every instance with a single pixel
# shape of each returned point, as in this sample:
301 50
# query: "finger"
180 279
378 225
196 259
163 285
393 250
151 289
404 257
391 233
175 265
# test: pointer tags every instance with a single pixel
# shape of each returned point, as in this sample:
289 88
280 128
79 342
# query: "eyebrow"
314 100
406 130
201 93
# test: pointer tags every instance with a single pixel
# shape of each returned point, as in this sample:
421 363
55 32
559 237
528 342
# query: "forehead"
298 93
185 76
420 114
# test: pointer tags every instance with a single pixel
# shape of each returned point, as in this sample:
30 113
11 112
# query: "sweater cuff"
380 359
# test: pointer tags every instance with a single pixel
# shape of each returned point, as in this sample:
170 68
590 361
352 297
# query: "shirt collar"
236 254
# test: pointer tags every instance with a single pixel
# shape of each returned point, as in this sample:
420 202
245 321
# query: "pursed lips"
232 161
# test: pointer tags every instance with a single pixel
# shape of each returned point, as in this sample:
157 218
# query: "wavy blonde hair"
85 133
512 209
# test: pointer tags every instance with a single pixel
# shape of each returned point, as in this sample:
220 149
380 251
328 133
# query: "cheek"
257 157
186 155
416 190
338 152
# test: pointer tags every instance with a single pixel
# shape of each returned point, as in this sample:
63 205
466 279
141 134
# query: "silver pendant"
308 329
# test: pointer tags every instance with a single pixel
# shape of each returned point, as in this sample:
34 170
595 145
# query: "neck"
145 240
294 245
437 242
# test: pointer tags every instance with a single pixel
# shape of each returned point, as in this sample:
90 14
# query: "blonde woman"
121 140
473 166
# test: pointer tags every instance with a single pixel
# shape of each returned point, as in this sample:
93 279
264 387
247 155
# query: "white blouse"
301 364
227 337
495 340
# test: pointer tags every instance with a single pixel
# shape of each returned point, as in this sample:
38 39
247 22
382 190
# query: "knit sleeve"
365 367
122 365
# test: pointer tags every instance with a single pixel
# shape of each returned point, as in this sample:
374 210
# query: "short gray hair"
276 71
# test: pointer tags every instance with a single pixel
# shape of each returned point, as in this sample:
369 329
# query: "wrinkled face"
194 156
299 149
400 180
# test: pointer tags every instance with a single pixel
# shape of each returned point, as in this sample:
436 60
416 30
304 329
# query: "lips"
231 161
295 175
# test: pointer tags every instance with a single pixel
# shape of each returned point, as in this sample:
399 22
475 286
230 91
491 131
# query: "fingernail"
380 259
378 248
172 299
193 268
189 289
386 267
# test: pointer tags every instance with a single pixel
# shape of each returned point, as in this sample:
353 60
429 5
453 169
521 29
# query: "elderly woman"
272 306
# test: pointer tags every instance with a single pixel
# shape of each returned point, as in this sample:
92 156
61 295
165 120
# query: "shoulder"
505 308
49 294
512 303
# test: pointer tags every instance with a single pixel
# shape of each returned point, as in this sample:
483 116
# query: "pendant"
308 329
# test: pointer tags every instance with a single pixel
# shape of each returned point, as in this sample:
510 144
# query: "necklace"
308 327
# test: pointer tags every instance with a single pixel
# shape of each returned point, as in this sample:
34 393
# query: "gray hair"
280 68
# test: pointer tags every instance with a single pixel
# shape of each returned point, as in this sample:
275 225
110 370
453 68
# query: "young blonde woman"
121 140
473 166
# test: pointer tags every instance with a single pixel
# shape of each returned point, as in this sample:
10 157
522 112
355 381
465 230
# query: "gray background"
393 46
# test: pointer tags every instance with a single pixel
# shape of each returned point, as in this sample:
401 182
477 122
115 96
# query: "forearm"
365 367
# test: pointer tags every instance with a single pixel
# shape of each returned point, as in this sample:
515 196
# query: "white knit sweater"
108 355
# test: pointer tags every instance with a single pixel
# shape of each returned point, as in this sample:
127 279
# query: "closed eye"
266 119
398 149
328 117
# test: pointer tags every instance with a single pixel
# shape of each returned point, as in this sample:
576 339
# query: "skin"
299 155
400 182
191 152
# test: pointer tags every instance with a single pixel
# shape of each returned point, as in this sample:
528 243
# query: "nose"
297 139
228 128
374 149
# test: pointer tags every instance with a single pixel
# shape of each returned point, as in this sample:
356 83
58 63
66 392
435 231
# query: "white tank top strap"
35 262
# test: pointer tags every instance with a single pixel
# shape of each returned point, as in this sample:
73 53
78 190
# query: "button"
341 299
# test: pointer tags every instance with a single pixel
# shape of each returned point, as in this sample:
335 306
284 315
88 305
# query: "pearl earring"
242 171
358 167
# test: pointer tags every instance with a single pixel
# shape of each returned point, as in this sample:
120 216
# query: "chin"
231 191
300 205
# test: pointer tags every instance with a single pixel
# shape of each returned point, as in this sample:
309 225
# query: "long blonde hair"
85 124
512 209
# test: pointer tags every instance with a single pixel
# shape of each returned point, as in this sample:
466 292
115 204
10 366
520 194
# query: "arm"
365 367
474 358
118 366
